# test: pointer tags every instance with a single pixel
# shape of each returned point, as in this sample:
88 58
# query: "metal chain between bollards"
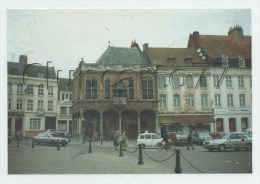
191 164
160 160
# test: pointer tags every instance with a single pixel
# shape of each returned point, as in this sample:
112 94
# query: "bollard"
18 143
58 144
140 158
178 162
120 149
32 142
83 139
90 147
101 140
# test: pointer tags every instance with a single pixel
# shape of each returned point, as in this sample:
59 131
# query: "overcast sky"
66 36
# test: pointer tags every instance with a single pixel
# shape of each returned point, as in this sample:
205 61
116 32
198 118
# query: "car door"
234 141
148 139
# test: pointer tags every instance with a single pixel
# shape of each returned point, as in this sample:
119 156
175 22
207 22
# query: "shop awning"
187 119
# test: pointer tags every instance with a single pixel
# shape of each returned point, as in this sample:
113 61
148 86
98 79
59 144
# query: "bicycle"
163 146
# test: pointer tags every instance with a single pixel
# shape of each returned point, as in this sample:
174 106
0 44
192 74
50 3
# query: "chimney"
236 32
194 39
145 47
134 44
23 59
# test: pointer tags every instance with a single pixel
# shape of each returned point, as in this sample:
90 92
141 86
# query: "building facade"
118 92
32 97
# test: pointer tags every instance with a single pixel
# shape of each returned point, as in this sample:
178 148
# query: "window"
69 109
119 89
19 104
147 89
162 100
217 100
19 88
9 103
62 126
40 90
161 81
29 89
175 81
50 105
190 100
203 80
62 96
241 81
241 62
107 89
242 100
41 75
131 89
189 81
63 110
230 100
204 100
30 105
215 80
50 90
40 105
35 124
9 87
176 100
224 61
228 81
91 89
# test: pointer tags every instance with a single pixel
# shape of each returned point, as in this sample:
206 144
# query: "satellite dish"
199 49
200 54
203 57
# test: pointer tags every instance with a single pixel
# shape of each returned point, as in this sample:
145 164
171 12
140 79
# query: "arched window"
119 89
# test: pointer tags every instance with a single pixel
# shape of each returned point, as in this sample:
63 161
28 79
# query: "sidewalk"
75 158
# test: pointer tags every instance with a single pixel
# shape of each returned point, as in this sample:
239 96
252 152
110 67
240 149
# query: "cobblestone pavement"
75 158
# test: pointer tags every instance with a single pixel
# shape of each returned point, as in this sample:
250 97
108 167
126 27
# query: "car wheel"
221 148
53 142
248 146
159 146
200 143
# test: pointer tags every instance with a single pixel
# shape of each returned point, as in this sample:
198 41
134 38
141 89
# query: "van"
148 139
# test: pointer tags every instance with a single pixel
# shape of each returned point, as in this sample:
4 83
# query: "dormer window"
224 61
188 60
171 60
241 62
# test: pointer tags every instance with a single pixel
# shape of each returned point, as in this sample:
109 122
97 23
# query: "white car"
148 139
236 141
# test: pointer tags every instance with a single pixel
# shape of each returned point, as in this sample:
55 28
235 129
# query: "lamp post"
47 74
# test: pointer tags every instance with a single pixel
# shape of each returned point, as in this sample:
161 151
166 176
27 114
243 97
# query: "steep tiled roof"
216 46
121 55
64 84
163 56
31 70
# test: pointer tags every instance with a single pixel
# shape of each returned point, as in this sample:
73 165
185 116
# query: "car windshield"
223 136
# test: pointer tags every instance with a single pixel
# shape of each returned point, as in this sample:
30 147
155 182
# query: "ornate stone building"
118 92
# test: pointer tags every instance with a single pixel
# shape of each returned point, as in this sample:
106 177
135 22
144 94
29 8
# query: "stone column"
226 125
138 124
120 122
238 125
157 129
101 126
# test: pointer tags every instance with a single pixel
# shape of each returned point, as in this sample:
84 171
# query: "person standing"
189 143
124 140
116 139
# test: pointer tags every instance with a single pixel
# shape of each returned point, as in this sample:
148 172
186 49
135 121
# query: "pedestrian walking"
189 143
116 139
124 140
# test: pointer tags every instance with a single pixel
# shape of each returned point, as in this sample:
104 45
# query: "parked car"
236 141
51 130
50 138
249 131
179 138
148 139
200 137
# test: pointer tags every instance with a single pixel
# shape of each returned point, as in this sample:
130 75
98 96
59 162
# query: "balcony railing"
40 112
119 100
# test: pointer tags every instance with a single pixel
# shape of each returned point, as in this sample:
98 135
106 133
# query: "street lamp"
47 74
